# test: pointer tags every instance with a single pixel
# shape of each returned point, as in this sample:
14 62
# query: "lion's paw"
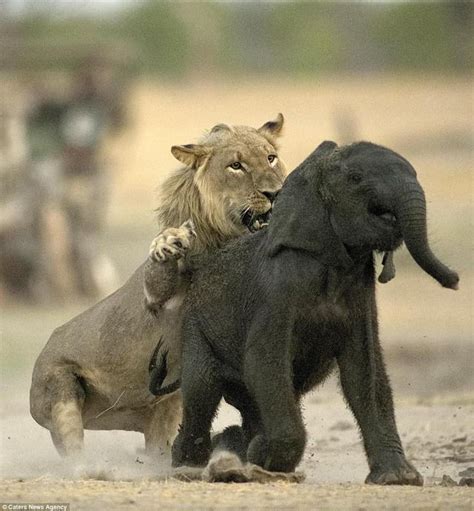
173 243
185 473
226 467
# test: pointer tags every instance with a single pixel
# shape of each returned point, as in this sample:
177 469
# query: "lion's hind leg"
64 399
162 426
67 430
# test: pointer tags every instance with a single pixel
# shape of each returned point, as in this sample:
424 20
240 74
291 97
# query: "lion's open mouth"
254 221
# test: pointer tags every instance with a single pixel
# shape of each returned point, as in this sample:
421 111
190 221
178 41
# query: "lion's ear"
273 128
221 127
190 154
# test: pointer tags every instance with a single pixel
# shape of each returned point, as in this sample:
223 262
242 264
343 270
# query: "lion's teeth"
256 224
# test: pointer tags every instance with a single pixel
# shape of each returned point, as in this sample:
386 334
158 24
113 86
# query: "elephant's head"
346 200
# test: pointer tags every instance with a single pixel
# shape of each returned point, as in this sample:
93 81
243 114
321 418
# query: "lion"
93 372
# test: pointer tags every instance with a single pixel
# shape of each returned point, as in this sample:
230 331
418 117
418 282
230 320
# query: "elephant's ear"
300 217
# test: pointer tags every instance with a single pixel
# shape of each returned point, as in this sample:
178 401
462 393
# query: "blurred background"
93 93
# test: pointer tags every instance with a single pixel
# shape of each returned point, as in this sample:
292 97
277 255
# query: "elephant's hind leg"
162 426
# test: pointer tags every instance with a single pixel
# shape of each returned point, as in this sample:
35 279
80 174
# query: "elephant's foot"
402 472
232 439
280 454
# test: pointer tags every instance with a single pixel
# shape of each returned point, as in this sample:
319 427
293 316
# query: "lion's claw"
173 243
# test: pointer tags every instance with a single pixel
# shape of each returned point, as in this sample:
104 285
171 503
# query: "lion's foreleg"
162 271
161 282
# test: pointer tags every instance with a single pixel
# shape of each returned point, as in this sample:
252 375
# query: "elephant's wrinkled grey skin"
268 317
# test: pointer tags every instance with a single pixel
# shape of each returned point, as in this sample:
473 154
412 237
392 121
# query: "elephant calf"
269 316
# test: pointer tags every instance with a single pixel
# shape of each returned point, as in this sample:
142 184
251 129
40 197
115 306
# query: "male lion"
93 372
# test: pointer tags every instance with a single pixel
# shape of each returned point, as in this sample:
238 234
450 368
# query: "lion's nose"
271 196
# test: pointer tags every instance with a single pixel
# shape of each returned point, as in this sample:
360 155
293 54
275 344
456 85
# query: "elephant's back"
225 268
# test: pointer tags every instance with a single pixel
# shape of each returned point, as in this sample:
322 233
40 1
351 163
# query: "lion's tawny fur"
98 362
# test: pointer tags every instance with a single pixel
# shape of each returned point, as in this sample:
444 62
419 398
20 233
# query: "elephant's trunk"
411 213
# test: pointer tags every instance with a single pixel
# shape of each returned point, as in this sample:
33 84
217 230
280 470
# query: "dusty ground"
435 424
437 437
91 495
426 331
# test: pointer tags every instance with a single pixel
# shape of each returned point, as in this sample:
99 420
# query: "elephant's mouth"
385 226
255 221
382 213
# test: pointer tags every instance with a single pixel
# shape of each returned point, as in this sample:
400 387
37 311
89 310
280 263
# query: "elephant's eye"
355 177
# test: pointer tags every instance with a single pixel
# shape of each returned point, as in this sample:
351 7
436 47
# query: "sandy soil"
436 431
436 440
95 495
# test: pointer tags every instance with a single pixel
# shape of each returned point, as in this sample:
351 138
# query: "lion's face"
238 174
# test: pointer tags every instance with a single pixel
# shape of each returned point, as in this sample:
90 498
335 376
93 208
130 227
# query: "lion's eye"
236 166
272 158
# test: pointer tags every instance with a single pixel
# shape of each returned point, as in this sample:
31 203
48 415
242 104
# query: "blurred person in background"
19 242
51 245
65 139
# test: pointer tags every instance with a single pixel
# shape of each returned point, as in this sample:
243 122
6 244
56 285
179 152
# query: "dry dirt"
426 331
95 495
436 431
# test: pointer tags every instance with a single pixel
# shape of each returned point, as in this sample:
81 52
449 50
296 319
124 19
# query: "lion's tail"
157 390
158 371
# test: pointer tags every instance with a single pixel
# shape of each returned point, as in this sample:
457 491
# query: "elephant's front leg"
367 389
201 392
268 376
